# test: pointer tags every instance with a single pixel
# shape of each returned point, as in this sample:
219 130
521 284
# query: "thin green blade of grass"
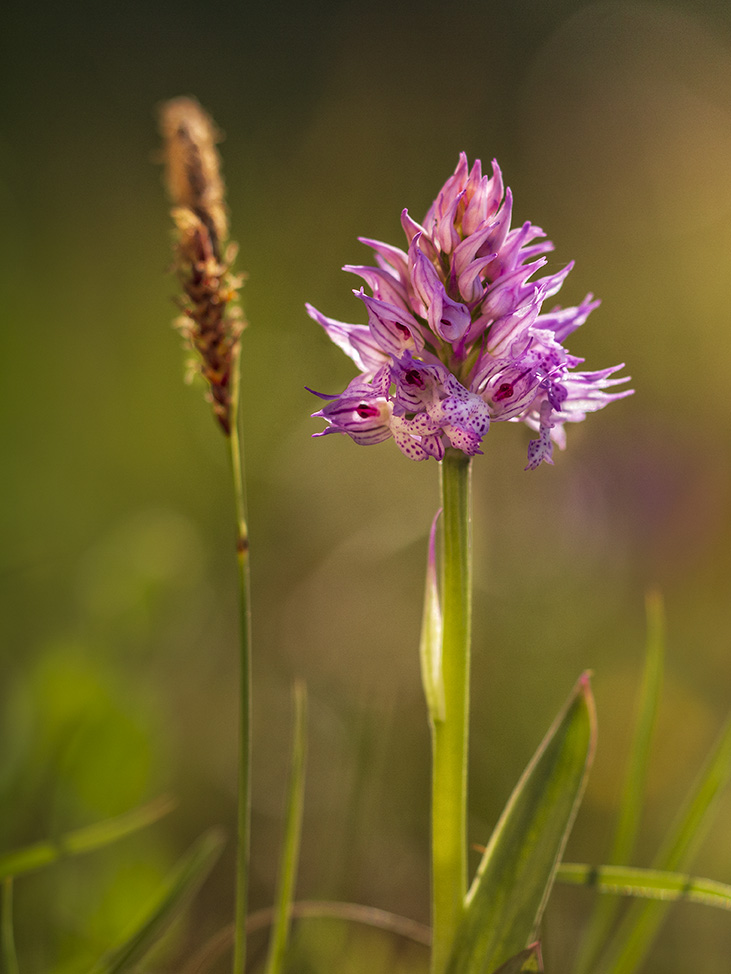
638 929
509 893
649 884
630 804
187 877
292 834
7 935
80 841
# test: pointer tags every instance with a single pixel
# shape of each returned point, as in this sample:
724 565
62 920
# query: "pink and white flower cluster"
456 336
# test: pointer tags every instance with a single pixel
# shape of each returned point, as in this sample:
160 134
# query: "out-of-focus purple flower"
457 337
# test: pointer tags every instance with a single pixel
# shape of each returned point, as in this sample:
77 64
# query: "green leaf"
80 841
630 804
509 893
292 833
180 886
528 961
635 935
649 884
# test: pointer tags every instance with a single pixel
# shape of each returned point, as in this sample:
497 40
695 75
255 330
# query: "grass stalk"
243 824
7 938
292 835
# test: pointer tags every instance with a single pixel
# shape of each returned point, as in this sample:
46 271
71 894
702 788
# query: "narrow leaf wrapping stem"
450 735
430 650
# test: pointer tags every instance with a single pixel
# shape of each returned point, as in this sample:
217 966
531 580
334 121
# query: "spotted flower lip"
457 338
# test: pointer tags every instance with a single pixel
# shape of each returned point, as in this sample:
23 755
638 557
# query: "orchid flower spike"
457 337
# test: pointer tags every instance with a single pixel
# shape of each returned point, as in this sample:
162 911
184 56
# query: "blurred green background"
612 123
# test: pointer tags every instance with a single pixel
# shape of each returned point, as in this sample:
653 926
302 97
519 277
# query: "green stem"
450 736
244 790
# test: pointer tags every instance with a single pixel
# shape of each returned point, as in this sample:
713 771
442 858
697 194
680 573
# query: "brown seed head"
203 258
192 162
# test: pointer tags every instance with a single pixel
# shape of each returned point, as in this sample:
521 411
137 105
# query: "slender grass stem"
292 835
632 795
450 736
204 960
7 938
244 769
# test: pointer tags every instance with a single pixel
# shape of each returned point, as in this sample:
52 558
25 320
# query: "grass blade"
630 805
180 886
638 929
510 890
81 841
292 833
651 884
7 937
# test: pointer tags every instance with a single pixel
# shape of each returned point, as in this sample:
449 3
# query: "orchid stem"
244 770
450 736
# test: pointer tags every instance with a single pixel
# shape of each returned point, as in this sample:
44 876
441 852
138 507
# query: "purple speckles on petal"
540 450
464 440
457 337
